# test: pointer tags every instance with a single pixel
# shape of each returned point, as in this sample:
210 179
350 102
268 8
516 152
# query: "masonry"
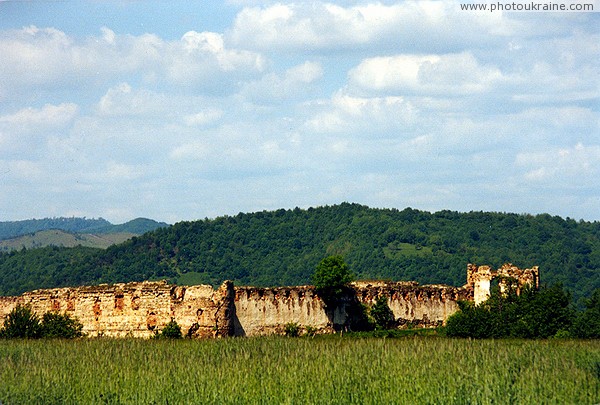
142 309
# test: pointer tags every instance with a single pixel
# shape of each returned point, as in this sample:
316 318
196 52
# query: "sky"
184 110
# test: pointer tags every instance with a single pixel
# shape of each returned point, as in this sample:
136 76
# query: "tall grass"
328 370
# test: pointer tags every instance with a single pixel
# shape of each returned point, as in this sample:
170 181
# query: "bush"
311 331
21 322
532 314
292 329
171 331
55 325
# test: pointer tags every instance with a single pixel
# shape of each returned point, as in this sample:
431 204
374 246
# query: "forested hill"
283 247
138 226
12 229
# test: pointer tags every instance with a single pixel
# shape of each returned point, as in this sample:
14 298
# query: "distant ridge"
71 232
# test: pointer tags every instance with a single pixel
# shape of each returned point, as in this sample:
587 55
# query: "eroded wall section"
136 309
263 311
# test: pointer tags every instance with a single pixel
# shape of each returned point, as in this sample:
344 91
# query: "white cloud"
49 59
203 117
293 84
351 115
315 25
49 116
449 74
574 166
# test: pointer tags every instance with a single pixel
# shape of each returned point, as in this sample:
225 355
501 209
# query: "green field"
321 370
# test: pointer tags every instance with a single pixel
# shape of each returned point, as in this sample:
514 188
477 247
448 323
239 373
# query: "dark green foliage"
292 329
55 325
587 324
21 322
331 277
532 314
382 314
283 247
172 330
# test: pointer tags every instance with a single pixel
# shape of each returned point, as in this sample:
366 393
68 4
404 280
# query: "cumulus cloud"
49 116
304 26
448 74
349 114
294 83
574 165
48 58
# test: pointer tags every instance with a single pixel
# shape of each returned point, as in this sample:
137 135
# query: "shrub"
21 322
55 325
171 331
292 329
311 331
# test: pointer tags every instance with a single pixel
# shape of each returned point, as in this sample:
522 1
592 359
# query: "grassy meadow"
320 370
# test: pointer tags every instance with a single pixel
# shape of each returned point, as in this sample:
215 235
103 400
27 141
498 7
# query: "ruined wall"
136 309
420 306
140 309
265 311
479 279
262 311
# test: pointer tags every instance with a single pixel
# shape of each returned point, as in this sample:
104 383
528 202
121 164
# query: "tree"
55 325
382 314
21 322
331 276
534 313
587 324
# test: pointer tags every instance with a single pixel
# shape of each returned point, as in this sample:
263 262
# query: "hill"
283 247
57 237
13 229
70 232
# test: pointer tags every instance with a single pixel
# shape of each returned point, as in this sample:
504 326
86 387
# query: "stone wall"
141 309
263 311
420 306
136 309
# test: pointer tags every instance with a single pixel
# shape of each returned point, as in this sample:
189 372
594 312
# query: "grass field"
321 370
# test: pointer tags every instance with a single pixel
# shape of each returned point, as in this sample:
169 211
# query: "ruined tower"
479 278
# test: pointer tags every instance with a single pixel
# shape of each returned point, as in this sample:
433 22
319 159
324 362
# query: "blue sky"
179 110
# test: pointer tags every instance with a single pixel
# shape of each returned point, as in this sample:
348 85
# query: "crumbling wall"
479 279
262 311
420 306
141 309
136 309
265 311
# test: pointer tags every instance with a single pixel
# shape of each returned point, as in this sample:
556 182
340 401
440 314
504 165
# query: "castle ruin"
144 308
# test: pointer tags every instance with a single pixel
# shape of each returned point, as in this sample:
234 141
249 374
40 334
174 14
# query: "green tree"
532 314
331 276
382 314
587 324
21 322
55 325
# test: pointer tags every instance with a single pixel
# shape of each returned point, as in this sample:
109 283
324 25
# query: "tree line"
282 247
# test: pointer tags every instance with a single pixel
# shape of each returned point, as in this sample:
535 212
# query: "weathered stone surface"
135 309
479 279
141 309
420 306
